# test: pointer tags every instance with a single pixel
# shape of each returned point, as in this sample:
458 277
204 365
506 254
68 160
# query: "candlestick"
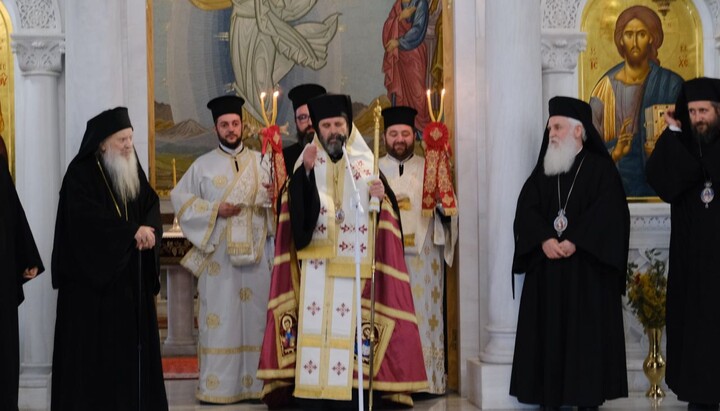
430 108
174 171
274 107
442 105
263 111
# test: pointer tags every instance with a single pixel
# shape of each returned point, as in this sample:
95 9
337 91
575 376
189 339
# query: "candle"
263 112
430 108
442 104
174 173
274 107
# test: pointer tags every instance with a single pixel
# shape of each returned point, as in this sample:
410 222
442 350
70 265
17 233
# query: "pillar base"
35 387
489 385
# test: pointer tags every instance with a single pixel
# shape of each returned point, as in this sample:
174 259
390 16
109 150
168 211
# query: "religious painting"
389 52
638 54
7 95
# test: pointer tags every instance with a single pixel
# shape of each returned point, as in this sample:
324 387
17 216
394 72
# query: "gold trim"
275 374
282 259
210 5
282 298
400 399
185 207
390 312
211 224
230 350
385 225
227 400
392 272
273 385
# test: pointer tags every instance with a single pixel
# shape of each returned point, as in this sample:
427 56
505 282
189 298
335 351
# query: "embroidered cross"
435 293
339 368
316 263
346 227
363 247
321 160
313 308
310 367
323 210
363 229
435 267
346 246
321 228
433 322
342 310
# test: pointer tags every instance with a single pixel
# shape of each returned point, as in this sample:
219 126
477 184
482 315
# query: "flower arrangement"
646 291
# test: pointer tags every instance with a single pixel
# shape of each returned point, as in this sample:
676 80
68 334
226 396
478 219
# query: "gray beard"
559 159
334 149
123 174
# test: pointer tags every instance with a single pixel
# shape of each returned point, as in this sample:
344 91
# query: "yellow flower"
646 291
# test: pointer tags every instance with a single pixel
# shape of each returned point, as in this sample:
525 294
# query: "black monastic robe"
675 172
291 153
17 252
570 344
95 267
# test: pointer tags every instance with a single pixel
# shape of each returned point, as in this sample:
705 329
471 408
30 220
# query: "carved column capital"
39 54
560 50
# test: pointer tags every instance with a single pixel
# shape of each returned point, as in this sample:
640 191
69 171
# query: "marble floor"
181 398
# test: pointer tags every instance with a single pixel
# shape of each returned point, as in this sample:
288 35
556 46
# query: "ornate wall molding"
714 8
39 54
38 14
566 14
560 14
560 50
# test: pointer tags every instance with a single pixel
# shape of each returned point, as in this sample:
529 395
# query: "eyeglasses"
302 117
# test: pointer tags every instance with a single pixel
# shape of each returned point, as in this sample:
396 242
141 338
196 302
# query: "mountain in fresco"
186 137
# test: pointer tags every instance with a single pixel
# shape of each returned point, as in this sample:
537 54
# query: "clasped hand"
377 189
555 249
145 237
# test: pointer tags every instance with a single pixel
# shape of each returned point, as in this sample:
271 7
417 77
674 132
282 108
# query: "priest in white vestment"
223 205
428 240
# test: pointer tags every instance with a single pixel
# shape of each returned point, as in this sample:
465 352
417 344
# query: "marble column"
560 51
513 106
38 181
180 291
106 66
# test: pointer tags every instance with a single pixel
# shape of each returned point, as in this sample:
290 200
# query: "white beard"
123 174
560 158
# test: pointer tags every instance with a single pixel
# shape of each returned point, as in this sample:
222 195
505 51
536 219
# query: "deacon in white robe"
428 240
223 206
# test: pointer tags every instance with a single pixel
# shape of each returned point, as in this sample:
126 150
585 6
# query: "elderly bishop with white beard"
105 267
571 243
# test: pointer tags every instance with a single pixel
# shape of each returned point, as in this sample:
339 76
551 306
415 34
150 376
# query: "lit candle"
430 109
442 104
174 173
274 107
263 112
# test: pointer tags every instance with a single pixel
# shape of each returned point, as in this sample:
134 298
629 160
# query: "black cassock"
17 252
570 345
675 172
95 269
